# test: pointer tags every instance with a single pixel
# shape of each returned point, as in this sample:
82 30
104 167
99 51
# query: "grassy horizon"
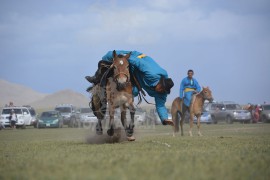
237 151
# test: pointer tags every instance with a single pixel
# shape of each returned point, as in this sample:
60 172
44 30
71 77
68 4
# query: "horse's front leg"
199 125
130 129
191 123
99 130
124 116
182 123
110 131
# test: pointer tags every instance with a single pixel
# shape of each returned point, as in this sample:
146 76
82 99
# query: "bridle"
118 74
202 94
115 76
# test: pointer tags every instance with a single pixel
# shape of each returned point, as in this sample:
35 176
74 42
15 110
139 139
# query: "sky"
52 45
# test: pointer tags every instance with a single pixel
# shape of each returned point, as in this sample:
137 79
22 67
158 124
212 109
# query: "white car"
87 117
23 116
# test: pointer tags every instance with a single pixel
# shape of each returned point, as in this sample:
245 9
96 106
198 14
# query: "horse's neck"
198 102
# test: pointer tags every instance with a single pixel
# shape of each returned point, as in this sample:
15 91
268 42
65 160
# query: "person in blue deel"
188 87
150 76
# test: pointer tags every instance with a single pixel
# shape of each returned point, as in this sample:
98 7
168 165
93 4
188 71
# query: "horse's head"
121 69
207 94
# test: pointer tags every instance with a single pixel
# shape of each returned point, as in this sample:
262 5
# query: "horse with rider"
144 74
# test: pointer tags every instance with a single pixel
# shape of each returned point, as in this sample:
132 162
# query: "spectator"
11 104
257 113
13 119
2 126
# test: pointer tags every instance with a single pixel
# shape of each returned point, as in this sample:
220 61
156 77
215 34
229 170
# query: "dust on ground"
118 137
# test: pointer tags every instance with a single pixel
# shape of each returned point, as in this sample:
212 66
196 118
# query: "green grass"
237 151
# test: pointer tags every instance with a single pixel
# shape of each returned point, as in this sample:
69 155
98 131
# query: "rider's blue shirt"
148 73
187 87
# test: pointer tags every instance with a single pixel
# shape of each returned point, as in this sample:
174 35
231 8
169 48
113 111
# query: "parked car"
227 111
70 117
265 114
205 118
23 115
33 115
87 117
50 119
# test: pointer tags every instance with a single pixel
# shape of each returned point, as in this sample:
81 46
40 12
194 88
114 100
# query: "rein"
118 74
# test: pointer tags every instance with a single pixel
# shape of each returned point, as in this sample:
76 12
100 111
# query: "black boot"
102 68
91 79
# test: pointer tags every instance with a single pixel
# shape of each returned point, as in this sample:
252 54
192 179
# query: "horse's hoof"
131 138
110 132
190 134
99 132
200 134
129 132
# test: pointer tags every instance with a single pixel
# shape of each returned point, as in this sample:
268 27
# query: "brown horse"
118 93
195 109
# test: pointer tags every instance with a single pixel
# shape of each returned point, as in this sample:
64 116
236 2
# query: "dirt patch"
118 137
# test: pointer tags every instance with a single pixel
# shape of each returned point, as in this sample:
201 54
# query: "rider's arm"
162 111
182 87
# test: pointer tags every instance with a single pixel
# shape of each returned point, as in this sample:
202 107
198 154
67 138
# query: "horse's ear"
128 55
114 54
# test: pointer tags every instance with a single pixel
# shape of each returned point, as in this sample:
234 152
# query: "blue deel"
188 83
148 74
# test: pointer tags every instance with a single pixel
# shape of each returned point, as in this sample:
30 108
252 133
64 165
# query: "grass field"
237 151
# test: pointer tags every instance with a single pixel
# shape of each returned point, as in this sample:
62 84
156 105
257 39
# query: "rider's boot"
96 78
102 68
90 79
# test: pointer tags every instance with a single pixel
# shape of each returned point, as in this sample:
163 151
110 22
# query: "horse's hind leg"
182 123
175 119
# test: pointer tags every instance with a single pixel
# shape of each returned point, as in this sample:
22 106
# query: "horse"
195 109
118 94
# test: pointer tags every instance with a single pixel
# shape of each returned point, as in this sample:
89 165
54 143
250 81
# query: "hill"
22 95
62 97
18 94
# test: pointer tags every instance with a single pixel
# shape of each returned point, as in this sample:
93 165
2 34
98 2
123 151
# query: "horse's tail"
175 111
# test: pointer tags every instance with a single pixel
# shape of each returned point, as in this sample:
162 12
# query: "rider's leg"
102 67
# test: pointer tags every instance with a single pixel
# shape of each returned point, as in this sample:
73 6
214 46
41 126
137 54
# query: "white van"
23 115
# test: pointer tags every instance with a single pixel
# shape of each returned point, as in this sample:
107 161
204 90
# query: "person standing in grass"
13 119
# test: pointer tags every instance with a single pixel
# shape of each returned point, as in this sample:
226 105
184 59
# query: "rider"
188 87
150 76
